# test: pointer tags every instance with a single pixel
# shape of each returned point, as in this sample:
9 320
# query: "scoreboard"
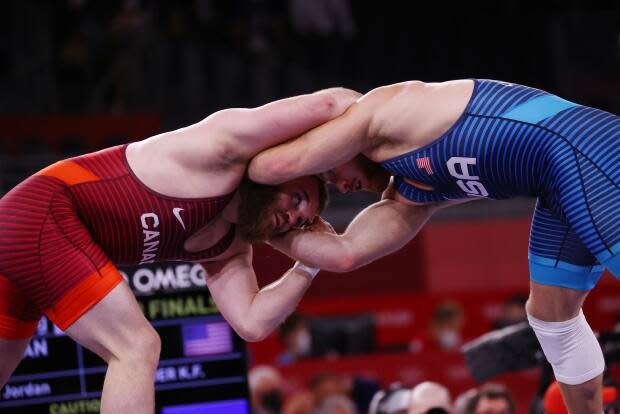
203 363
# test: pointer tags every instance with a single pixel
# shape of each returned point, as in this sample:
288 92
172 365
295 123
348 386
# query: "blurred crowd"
185 59
180 59
337 393
333 392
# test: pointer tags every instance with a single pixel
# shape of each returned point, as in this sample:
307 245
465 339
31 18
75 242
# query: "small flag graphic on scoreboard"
425 164
207 338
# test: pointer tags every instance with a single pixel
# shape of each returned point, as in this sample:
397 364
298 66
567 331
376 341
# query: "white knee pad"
571 348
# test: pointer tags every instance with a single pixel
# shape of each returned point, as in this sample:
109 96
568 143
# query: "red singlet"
62 229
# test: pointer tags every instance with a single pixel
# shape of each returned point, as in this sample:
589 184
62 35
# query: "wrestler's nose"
294 218
343 186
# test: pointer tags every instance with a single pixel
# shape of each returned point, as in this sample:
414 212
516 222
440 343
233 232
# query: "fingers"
320 225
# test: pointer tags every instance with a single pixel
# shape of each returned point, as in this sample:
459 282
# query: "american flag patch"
207 339
425 164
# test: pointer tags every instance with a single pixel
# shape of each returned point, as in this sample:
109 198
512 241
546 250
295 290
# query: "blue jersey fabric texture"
514 140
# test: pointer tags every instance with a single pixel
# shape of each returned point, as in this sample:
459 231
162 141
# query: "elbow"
252 332
266 170
335 101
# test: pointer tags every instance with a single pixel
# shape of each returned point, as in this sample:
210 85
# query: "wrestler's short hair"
323 195
492 392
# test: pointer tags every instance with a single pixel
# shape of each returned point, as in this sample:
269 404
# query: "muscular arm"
377 231
254 313
247 131
325 146
318 150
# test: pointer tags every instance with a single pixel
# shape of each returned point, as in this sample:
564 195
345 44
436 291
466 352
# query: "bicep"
318 150
252 130
234 135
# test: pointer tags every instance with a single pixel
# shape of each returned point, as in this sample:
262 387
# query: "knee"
145 348
571 348
151 345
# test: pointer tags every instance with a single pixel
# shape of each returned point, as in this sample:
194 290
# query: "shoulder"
397 90
392 102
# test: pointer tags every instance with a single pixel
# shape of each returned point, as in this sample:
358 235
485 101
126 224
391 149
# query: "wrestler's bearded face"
267 211
358 174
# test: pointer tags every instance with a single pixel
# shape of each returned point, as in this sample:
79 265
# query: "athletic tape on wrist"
312 271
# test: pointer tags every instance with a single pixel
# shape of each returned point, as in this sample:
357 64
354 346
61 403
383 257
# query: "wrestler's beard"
256 209
377 178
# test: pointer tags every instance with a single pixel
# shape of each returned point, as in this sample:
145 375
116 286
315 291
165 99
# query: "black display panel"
203 363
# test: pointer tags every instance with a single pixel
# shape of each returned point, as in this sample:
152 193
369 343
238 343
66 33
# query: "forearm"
326 251
317 150
377 231
276 301
254 313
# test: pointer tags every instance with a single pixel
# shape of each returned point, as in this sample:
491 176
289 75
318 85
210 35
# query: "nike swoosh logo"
177 213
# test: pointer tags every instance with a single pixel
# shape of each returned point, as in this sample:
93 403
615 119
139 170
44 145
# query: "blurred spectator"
299 403
554 404
296 338
513 311
394 400
491 399
324 29
265 390
430 396
336 404
327 384
616 327
462 401
444 331
322 17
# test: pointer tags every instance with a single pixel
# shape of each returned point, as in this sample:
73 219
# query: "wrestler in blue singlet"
514 140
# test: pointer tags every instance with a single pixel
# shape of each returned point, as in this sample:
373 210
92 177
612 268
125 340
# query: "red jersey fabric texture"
62 229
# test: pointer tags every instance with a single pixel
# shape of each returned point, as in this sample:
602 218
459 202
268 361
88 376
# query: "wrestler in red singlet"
61 229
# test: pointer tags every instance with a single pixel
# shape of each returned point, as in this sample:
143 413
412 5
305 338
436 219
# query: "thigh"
11 353
19 315
113 326
19 318
48 257
557 256
586 191
554 303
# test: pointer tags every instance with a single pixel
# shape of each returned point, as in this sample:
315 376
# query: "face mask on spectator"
271 402
303 342
449 339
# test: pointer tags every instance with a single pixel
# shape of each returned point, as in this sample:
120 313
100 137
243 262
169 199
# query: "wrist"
312 271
